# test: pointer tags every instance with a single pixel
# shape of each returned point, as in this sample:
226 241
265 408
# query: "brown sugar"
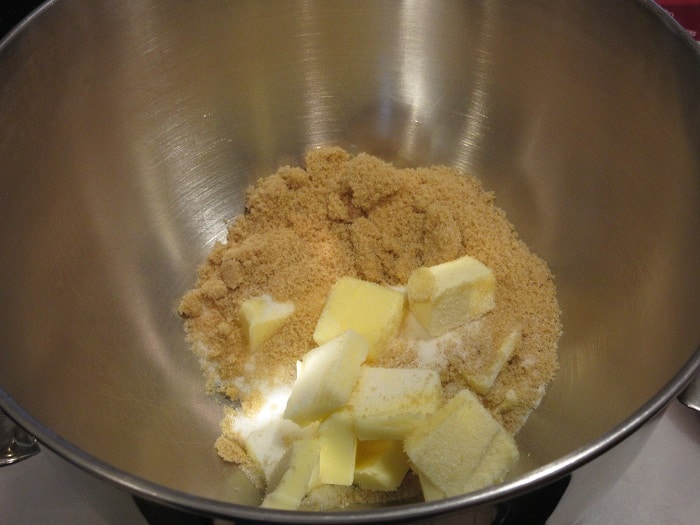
304 228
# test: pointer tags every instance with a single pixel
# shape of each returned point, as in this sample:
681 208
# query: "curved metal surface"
690 397
15 443
131 130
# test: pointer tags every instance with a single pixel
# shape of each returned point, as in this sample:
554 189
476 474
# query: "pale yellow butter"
338 448
447 295
261 317
499 458
430 491
326 377
380 465
482 382
449 446
294 476
387 403
370 309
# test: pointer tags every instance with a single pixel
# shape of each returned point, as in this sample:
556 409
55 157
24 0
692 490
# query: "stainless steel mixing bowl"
130 130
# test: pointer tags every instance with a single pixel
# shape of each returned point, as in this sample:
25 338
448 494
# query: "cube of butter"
449 446
430 491
387 403
496 463
338 447
294 476
482 382
261 317
370 309
380 465
447 295
326 377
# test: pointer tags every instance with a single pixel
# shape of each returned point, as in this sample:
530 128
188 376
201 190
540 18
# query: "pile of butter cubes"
374 424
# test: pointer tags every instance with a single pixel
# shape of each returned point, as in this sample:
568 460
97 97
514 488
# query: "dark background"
12 12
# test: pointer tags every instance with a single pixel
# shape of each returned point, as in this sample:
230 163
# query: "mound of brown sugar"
358 216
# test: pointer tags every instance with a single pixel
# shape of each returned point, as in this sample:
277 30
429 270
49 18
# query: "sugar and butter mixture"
305 229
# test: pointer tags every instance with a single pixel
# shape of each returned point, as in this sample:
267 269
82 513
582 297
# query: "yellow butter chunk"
370 309
496 463
326 377
482 382
338 447
430 491
262 316
447 295
380 465
387 403
294 476
450 445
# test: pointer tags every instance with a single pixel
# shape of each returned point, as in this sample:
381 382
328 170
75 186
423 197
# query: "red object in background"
686 12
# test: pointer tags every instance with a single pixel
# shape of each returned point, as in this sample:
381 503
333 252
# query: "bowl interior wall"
130 131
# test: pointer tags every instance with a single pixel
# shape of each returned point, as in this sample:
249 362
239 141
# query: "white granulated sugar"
430 354
266 433
528 362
